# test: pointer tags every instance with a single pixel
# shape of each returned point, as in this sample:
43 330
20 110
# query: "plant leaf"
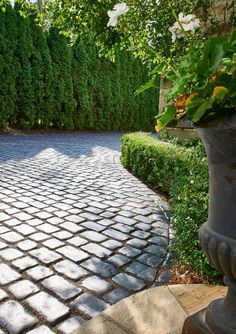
147 85
165 118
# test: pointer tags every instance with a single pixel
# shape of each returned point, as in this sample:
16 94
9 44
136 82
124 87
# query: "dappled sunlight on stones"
77 231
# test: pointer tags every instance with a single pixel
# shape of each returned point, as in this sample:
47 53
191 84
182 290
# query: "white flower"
158 2
189 24
118 10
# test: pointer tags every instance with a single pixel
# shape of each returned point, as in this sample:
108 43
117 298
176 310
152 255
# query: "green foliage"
204 83
64 103
182 173
25 113
8 66
43 80
46 82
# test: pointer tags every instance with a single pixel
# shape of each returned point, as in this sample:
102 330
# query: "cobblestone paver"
77 231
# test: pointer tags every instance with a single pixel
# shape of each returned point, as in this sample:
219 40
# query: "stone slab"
47 306
161 310
14 318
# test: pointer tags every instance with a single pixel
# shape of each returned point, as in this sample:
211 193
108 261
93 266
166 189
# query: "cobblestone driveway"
77 231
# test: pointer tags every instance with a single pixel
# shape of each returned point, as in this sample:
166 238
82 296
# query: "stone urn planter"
218 234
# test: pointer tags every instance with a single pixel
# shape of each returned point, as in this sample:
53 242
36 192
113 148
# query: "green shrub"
182 173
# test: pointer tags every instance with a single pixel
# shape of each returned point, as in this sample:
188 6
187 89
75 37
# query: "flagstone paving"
77 231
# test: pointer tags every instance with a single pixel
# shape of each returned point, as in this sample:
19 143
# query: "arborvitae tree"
82 81
42 77
8 68
25 95
64 103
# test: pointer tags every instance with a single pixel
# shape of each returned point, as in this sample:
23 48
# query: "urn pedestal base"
195 324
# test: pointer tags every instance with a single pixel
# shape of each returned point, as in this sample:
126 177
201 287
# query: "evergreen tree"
8 68
64 103
82 81
25 112
42 77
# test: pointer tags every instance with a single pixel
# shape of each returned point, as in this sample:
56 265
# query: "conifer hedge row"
46 82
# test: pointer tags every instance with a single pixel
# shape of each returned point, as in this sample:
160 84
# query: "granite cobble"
77 231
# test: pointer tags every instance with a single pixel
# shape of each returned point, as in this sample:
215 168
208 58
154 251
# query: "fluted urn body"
218 234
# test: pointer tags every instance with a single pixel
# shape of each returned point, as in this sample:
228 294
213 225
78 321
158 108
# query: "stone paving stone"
41 330
116 295
107 215
141 234
74 218
49 307
125 220
45 255
143 219
55 220
47 228
127 214
156 250
34 222
70 269
144 227
73 253
22 216
12 222
2 245
150 260
61 214
160 241
26 245
7 274
63 235
71 227
43 214
142 271
100 267
77 241
4 216
39 236
119 260
23 289
106 222
61 287
123 228
4 229
53 243
93 210
129 282
161 232
115 234
40 272
112 244
71 324
130 251
89 216
10 254
96 284
137 243
14 318
97 250
93 226
3 295
12 237
25 229
93 236
89 305
25 263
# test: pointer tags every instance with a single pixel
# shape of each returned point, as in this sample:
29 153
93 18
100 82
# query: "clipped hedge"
182 173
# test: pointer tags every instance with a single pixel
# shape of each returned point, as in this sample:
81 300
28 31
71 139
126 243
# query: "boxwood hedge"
182 173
